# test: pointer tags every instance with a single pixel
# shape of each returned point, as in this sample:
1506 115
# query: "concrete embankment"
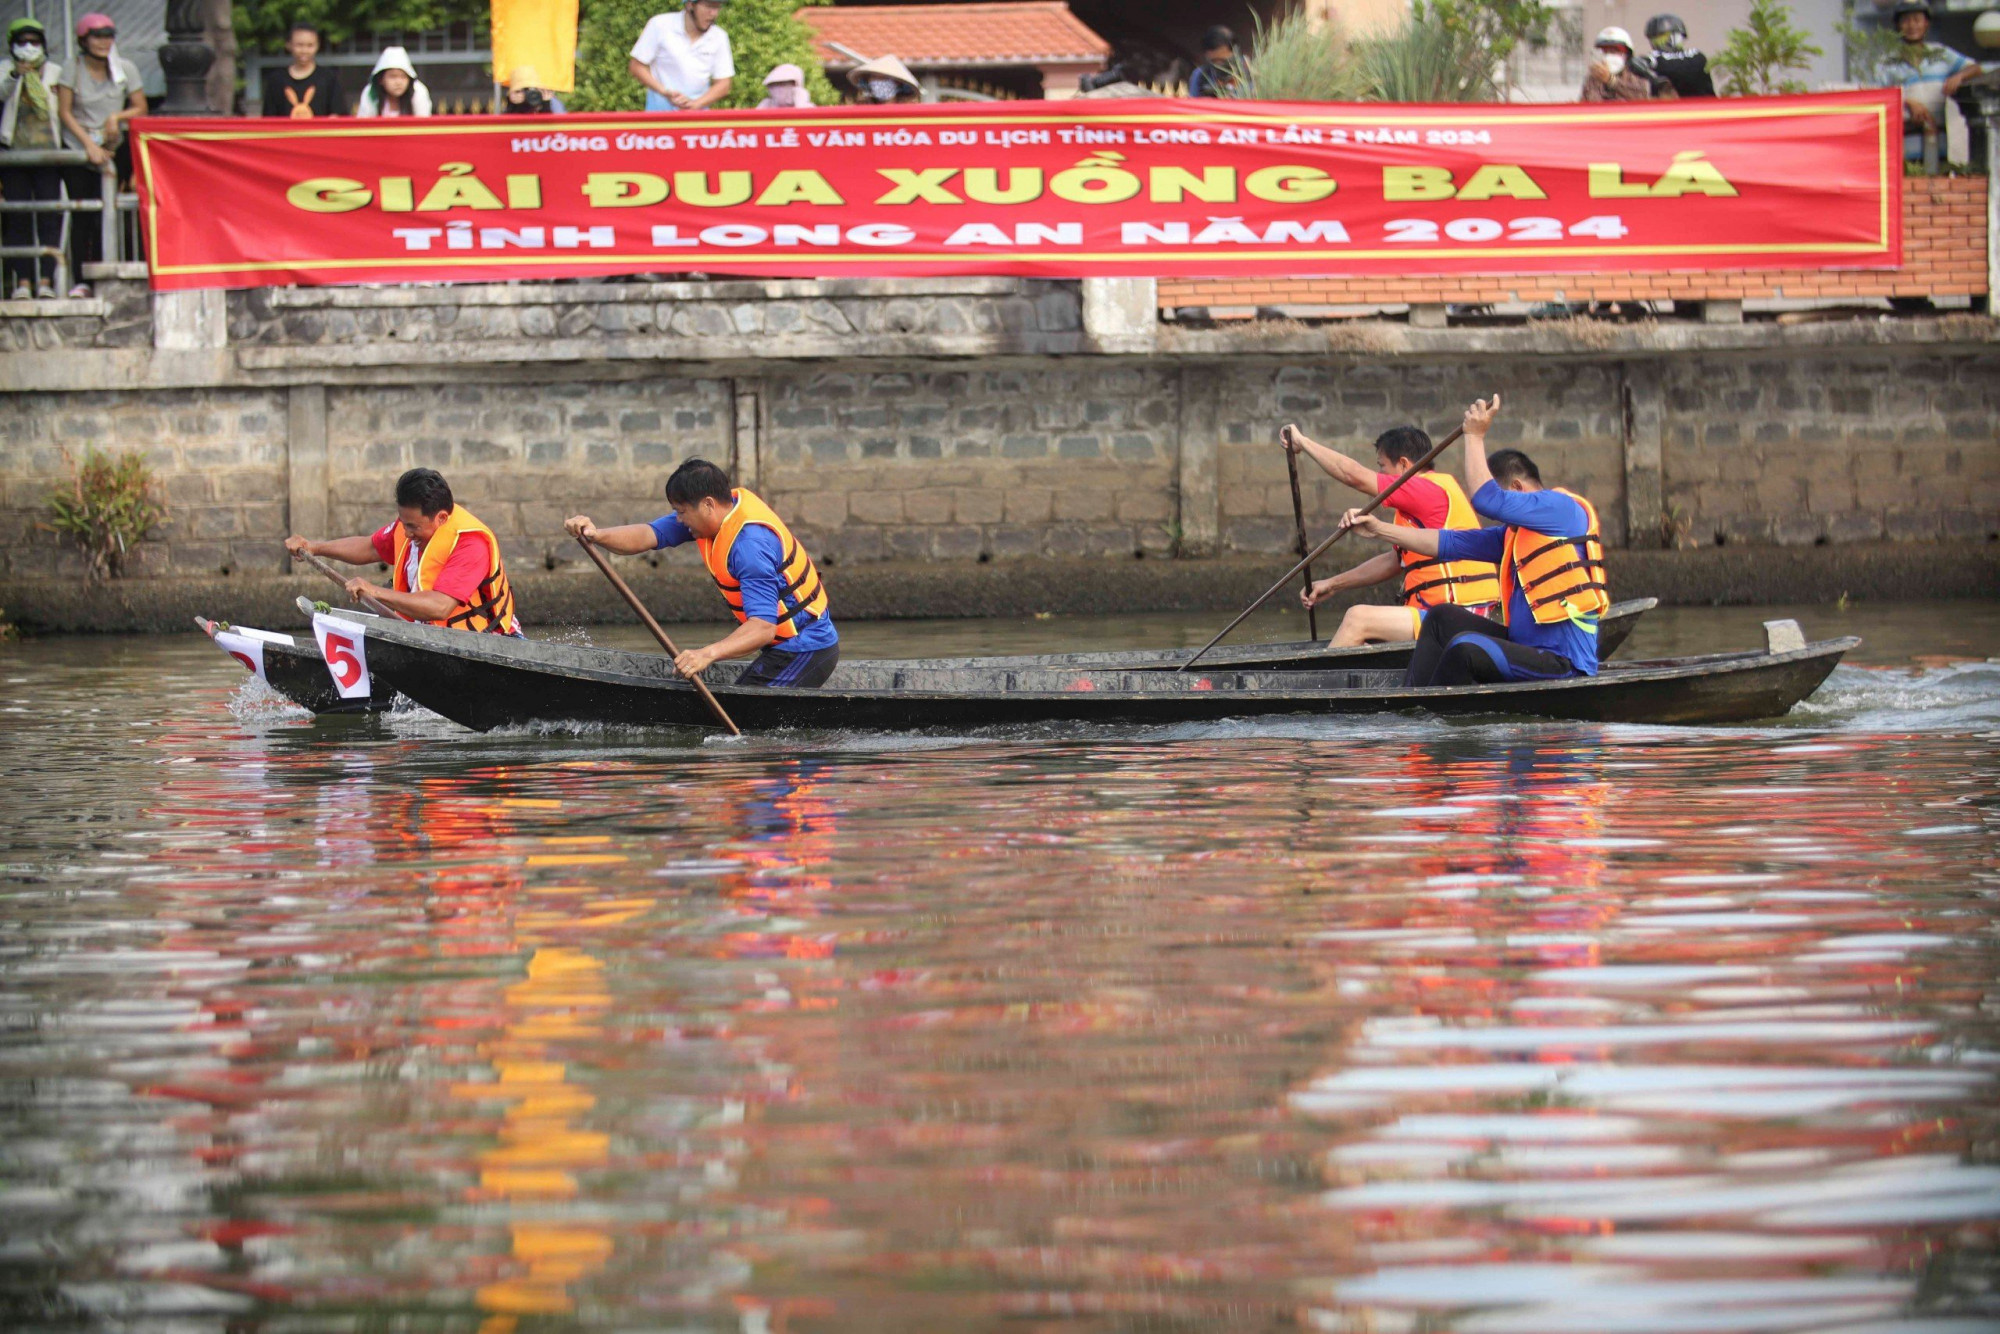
679 591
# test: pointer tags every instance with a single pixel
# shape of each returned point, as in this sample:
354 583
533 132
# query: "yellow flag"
538 34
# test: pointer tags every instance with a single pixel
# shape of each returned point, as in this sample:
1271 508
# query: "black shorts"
801 671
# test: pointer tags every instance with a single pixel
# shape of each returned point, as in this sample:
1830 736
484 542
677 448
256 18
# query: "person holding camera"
526 96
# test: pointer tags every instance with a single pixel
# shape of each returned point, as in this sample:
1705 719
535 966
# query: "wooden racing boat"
292 666
488 681
1613 629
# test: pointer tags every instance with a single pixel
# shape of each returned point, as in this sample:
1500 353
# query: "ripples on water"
1393 1027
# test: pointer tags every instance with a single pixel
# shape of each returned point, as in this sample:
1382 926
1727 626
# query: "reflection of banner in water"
1141 187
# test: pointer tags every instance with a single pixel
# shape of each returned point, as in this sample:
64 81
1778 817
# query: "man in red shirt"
1432 500
445 563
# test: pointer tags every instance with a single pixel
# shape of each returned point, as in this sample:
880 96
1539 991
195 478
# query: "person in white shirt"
684 59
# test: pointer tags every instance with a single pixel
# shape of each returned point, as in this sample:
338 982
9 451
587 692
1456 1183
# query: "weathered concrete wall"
886 436
1834 448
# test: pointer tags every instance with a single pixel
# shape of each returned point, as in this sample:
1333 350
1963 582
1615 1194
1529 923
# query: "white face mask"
1613 61
884 90
27 53
785 94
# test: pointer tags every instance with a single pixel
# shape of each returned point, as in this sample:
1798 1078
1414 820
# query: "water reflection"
367 1024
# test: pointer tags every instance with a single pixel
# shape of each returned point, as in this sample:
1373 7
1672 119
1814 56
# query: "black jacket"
1686 69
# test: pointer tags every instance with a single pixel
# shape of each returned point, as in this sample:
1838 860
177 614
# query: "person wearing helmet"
95 98
1673 60
1928 73
28 121
1615 77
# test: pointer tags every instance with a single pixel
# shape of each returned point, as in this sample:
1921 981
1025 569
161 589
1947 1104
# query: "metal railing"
106 206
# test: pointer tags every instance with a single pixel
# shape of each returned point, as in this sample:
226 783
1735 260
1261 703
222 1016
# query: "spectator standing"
1673 60
683 59
394 88
307 90
1927 72
28 121
785 87
883 80
94 99
527 97
1211 78
1615 77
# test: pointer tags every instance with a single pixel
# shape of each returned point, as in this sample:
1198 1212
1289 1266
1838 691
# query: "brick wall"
954 464
1944 254
219 454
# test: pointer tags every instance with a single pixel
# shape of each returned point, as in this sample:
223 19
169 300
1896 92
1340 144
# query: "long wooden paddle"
1320 550
320 563
1299 519
632 600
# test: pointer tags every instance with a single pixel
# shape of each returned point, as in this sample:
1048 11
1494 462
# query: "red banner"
1141 186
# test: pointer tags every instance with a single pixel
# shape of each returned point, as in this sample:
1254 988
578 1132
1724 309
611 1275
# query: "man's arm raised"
1335 464
1478 418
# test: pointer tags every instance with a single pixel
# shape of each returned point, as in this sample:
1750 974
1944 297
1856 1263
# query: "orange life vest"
1428 581
1562 577
803 592
493 607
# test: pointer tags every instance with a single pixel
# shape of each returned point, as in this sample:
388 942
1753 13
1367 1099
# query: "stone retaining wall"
1028 436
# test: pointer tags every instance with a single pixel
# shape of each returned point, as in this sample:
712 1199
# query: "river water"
1378 1026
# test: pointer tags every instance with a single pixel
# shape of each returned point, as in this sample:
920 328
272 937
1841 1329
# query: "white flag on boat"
248 651
341 643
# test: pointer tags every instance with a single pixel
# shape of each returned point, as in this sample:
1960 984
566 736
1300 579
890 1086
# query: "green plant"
1869 47
261 25
108 505
1757 56
763 34
1294 59
1427 60
1497 27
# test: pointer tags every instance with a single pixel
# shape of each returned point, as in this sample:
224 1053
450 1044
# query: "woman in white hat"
785 87
394 88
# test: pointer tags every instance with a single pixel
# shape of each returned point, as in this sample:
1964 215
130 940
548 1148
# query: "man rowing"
446 564
1550 554
770 583
1431 500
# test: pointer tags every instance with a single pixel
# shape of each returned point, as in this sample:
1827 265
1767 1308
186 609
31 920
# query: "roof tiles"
1026 32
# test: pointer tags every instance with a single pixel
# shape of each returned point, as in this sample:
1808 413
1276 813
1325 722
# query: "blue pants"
775 667
1461 648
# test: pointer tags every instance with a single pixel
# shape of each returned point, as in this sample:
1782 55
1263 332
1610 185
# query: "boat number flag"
341 644
248 651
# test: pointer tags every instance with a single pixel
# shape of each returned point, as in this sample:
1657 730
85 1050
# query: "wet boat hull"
1289 655
484 683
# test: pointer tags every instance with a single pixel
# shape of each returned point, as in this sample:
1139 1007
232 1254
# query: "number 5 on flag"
342 644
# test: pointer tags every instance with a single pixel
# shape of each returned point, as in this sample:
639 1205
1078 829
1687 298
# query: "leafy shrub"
1438 54
1425 60
1757 56
261 24
1296 60
108 506
763 34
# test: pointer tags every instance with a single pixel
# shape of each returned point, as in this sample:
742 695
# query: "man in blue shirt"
770 583
1928 73
1550 555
